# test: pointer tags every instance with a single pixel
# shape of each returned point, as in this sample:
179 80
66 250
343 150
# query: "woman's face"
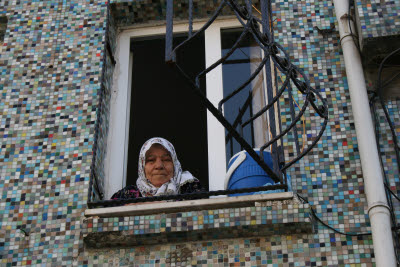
159 167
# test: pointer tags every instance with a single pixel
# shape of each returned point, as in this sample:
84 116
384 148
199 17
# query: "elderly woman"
160 173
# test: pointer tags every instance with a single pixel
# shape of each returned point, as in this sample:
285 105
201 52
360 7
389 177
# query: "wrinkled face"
159 167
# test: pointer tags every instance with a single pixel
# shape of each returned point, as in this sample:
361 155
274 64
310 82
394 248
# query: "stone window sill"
196 220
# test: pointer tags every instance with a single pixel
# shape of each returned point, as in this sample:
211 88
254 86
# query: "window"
131 114
3 29
162 105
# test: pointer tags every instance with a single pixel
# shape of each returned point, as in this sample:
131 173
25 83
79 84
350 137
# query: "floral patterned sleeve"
128 192
131 191
193 187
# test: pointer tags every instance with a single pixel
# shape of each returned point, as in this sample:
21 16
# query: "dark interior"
163 105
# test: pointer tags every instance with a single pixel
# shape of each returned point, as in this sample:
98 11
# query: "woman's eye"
150 160
167 159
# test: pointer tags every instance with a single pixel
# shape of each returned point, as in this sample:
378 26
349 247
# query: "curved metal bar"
240 88
323 113
262 46
308 91
303 76
265 17
258 34
202 29
230 52
238 16
279 66
273 140
239 116
292 116
281 62
219 116
249 7
321 132
259 113
234 6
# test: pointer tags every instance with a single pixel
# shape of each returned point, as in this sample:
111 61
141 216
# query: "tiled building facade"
55 83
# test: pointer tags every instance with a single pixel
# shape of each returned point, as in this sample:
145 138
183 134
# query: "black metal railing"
238 122
275 62
190 196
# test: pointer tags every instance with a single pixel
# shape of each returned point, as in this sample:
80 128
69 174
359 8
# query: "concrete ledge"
187 205
128 239
197 220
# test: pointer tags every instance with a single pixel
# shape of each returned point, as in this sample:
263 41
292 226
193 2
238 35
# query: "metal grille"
276 63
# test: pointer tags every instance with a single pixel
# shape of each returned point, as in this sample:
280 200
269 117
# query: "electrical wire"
351 3
389 121
391 192
378 97
314 214
385 178
390 80
303 121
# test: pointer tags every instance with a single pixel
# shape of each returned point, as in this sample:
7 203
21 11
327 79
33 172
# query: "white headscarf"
147 189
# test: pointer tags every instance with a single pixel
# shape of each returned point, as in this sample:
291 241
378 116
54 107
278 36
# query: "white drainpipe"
378 209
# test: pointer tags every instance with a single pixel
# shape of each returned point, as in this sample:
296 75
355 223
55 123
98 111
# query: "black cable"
387 82
391 192
327 225
388 119
351 3
385 179
377 96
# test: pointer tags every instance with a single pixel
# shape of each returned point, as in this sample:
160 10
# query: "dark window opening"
163 105
3 27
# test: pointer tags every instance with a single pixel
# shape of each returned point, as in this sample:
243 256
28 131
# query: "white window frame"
118 135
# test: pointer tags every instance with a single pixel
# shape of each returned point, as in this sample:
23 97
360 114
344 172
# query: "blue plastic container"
244 172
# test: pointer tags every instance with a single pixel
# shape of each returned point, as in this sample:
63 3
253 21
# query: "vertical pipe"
378 209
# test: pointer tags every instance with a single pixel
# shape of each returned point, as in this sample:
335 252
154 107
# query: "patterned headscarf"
171 187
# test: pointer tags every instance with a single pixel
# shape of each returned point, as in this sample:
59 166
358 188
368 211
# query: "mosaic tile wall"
50 72
50 68
273 217
129 12
379 23
296 250
379 18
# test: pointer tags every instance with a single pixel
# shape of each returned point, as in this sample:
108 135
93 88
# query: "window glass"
236 71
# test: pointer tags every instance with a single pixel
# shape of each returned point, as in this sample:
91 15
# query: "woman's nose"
159 163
